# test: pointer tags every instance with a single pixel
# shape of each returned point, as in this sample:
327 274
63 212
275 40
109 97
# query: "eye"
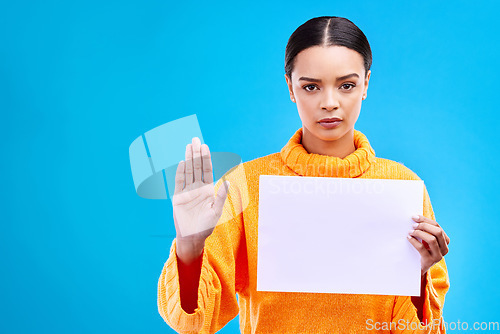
347 86
309 88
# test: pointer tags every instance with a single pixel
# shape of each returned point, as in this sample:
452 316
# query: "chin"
330 138
328 135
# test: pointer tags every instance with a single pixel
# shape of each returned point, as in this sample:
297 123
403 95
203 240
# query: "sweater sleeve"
405 319
223 257
436 286
437 282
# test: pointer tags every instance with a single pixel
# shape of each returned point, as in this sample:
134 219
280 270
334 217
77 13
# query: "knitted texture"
229 263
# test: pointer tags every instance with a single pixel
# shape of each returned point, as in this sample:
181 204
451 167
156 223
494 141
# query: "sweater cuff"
169 302
433 310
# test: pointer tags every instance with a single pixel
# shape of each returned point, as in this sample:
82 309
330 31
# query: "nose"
329 101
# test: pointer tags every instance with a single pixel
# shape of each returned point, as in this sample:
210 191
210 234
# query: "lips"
330 120
330 123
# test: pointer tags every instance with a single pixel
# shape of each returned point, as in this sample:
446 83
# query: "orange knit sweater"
229 262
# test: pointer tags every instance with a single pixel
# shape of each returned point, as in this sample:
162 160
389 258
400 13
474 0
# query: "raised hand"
196 207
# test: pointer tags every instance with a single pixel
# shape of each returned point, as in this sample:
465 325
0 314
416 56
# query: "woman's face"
328 82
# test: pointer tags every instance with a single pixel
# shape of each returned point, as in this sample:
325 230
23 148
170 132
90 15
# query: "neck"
340 148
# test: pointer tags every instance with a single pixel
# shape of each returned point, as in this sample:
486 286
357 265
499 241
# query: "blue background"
80 80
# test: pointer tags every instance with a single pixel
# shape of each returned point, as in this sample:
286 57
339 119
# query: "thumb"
220 198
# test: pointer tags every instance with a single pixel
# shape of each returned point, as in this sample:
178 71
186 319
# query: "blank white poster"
338 235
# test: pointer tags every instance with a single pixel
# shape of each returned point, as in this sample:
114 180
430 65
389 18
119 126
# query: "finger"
423 219
424 253
437 232
179 178
221 198
431 240
432 229
206 160
189 165
443 243
444 249
197 159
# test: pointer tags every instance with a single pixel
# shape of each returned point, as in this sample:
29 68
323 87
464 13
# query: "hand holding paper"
434 241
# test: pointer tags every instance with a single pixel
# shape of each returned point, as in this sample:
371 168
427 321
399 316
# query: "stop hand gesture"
196 210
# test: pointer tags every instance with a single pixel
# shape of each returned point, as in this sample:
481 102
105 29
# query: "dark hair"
327 31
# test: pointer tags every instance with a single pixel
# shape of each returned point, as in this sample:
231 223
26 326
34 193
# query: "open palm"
196 208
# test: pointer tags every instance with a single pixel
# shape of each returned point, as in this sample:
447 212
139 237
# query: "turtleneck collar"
304 163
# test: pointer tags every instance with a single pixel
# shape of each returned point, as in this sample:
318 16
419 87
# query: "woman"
327 70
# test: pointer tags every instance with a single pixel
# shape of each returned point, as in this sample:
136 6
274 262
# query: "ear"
290 89
367 80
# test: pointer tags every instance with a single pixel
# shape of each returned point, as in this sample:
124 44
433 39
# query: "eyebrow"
338 79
